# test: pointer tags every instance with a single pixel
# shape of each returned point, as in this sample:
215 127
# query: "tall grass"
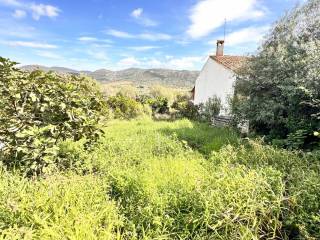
167 180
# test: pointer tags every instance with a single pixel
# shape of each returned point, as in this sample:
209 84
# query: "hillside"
139 77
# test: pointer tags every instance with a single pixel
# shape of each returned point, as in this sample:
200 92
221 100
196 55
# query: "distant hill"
138 77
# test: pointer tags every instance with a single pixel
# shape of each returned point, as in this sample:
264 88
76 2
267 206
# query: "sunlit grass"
166 180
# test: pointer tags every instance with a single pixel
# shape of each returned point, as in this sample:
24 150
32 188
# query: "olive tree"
278 91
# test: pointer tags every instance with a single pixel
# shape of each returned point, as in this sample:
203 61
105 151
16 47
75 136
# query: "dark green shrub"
38 110
159 105
185 108
210 108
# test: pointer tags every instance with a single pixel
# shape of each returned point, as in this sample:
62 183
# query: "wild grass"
167 180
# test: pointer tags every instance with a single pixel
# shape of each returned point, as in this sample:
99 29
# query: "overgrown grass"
167 180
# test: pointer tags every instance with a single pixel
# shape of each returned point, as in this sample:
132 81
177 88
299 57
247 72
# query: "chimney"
220 46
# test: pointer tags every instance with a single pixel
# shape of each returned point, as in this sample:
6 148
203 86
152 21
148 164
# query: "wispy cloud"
37 10
97 54
18 14
129 62
208 15
143 48
29 44
138 15
47 54
14 3
246 35
180 63
93 39
143 36
42 10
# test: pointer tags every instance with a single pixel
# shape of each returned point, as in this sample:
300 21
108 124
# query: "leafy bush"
210 108
185 108
38 110
158 104
278 91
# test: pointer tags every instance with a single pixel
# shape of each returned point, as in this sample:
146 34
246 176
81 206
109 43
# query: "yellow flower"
317 134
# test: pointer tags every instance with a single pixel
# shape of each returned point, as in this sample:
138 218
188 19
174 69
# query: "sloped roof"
231 62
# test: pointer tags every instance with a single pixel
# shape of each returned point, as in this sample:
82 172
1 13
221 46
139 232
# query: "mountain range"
137 76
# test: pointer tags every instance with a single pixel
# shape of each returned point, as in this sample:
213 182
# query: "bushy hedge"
38 110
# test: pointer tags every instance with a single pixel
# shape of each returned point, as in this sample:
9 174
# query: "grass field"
167 180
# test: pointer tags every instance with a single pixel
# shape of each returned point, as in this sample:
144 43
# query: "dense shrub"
158 105
210 108
38 110
278 91
185 108
125 107
202 112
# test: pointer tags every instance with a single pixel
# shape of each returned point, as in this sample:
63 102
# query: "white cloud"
14 3
87 39
208 15
138 15
184 62
246 35
143 36
48 54
170 62
129 62
137 12
39 10
119 34
29 44
97 54
93 39
154 36
19 14
143 48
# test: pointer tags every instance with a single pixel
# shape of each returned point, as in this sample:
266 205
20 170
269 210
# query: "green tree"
278 91
38 110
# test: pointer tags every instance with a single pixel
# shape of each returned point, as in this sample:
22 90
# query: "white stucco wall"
214 79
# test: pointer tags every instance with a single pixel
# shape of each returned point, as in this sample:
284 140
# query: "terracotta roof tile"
231 62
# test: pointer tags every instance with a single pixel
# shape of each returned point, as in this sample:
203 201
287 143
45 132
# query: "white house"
217 77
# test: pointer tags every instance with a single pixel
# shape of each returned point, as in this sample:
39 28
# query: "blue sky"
119 34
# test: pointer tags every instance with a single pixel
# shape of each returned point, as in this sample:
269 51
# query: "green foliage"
38 110
185 108
125 107
167 180
210 108
300 173
58 207
162 92
158 104
279 89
